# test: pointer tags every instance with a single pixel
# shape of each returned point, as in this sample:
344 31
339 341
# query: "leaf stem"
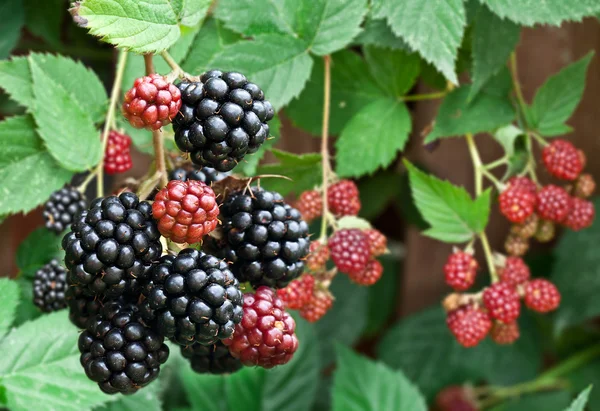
425 96
489 258
171 61
477 164
517 86
325 164
500 162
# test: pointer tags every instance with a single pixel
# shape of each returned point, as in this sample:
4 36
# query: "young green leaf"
362 384
512 140
454 217
38 249
493 41
376 32
434 30
375 135
395 71
9 296
558 97
43 354
23 154
580 402
304 171
11 27
554 12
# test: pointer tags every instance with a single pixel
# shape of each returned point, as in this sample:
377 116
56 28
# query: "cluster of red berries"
495 310
535 211
117 158
342 200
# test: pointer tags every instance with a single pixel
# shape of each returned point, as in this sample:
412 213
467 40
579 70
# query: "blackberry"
212 359
192 297
223 117
49 287
111 246
119 352
82 307
205 174
265 238
62 207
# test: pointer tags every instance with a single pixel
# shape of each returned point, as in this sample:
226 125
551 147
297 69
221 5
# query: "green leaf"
377 192
362 384
434 30
457 115
146 399
23 154
375 142
580 402
493 41
352 88
304 171
547 401
40 367
554 12
243 16
70 137
395 71
205 392
379 33
44 18
584 376
250 164
192 11
515 147
280 65
9 295
382 296
15 79
422 346
558 97
38 249
11 27
454 217
26 311
142 27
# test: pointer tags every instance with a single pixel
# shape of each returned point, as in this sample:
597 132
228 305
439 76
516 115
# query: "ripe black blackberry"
111 246
212 359
223 117
62 207
265 238
192 297
205 174
49 286
82 307
119 352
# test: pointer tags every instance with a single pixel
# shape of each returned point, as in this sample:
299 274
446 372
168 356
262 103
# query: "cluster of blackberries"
62 207
49 286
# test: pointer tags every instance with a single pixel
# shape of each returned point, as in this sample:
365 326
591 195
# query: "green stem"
325 165
571 364
492 178
500 162
489 258
517 86
537 138
157 140
426 96
477 164
171 61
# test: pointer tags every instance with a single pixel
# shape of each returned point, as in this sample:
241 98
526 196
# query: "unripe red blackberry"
117 158
515 272
186 211
119 352
82 307
562 159
377 242
502 302
541 295
211 359
469 325
318 305
223 117
505 333
522 183
553 203
265 337
581 215
343 198
207 175
349 250
545 231
298 292
528 228
310 205
318 256
460 270
516 246
370 275
192 298
517 204
585 186
151 103
62 207
455 398
49 286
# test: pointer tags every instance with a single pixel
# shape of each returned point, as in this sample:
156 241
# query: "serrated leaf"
15 79
191 12
377 32
304 171
434 29
39 248
44 18
554 12
580 402
493 41
9 295
250 164
395 71
40 367
375 135
243 16
454 217
142 27
11 28
23 154
352 88
557 98
362 384
71 138
280 65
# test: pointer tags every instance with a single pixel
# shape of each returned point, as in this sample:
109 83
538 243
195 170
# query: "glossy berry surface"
541 296
211 359
207 175
502 333
349 250
49 287
318 257
517 204
460 270
377 242
185 211
223 117
310 205
554 203
117 158
343 199
266 336
562 159
111 246
469 325
515 272
502 302
370 275
581 215
298 292
81 306
318 305
119 352
192 298
62 207
151 103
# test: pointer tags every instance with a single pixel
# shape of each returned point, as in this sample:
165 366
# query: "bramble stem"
325 165
477 164
489 258
517 86
426 96
170 61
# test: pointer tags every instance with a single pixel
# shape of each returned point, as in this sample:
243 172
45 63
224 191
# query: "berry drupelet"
350 250
211 359
62 207
207 175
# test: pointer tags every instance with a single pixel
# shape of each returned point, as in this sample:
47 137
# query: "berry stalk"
425 96
326 166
